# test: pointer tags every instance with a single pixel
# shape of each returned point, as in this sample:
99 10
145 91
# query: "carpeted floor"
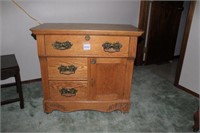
156 106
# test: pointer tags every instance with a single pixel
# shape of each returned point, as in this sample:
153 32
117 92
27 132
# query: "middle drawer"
67 68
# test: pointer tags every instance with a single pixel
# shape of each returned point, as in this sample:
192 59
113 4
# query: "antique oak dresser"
86 66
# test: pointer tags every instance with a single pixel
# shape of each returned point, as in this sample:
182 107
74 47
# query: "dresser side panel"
41 45
133 47
128 79
44 73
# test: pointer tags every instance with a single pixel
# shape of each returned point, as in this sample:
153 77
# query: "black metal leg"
19 89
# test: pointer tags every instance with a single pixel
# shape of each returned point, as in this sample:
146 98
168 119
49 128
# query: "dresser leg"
125 108
46 109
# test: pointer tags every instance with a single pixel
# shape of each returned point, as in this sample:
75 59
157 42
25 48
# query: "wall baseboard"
187 90
23 82
39 79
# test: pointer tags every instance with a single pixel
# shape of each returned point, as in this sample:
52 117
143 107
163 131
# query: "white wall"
181 29
190 74
16 37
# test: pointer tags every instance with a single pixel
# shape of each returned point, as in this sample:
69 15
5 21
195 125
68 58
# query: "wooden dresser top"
83 28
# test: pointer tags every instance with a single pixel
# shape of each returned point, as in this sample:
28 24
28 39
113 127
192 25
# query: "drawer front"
79 45
68 90
67 68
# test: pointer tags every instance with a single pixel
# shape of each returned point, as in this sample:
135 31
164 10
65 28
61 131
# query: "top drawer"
81 45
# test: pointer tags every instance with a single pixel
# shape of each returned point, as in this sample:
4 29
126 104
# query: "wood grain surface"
81 28
56 86
78 42
101 78
54 73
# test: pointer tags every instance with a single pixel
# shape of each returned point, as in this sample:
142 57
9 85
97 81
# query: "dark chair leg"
16 84
19 89
196 121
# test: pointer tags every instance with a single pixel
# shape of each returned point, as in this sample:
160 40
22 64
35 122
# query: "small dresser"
86 66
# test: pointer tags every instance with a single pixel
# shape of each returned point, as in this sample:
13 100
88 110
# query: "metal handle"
68 92
87 37
112 47
62 45
180 8
93 61
67 70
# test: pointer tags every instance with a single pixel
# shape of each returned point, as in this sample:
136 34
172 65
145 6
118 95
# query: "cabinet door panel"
107 78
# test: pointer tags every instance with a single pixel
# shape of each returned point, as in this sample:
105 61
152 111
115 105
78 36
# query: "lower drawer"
68 90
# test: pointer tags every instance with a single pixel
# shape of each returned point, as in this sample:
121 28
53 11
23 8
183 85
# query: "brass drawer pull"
68 92
93 61
87 37
112 47
67 70
62 45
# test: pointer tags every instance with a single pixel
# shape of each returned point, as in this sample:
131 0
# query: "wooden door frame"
143 20
183 48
